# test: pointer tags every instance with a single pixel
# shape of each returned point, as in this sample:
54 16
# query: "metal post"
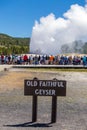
34 109
54 109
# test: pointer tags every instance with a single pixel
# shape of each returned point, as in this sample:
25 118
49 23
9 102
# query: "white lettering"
45 92
35 83
53 92
44 84
51 84
60 84
36 92
40 83
54 84
28 83
40 92
32 83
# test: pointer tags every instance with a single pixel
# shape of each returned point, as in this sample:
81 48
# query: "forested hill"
6 40
9 44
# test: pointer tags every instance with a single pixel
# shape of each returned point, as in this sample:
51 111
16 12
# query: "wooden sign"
52 88
45 87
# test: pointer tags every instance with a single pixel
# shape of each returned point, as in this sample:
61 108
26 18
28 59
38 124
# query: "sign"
52 88
45 87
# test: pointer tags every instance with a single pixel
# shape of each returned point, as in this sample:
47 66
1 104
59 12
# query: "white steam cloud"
50 33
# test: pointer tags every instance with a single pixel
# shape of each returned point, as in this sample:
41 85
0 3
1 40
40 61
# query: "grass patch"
56 70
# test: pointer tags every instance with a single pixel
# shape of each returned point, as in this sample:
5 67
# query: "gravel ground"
16 109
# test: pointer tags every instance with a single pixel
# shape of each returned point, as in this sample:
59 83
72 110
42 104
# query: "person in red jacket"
25 59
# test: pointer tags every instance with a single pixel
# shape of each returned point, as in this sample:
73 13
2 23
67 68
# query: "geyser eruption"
51 33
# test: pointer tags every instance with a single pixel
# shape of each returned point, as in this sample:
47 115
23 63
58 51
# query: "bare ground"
16 109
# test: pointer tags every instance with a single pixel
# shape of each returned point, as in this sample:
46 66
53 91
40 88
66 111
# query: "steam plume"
50 33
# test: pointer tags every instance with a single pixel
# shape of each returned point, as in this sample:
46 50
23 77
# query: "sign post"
52 88
34 107
54 109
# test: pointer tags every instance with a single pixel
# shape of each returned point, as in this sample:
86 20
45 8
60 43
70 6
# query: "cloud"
50 32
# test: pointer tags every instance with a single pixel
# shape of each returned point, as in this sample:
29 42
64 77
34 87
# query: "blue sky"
17 17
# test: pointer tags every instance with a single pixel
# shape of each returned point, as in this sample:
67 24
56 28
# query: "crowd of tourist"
43 59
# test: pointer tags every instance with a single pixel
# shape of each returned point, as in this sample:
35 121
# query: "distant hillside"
10 44
8 40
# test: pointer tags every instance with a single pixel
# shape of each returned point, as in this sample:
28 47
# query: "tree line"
12 45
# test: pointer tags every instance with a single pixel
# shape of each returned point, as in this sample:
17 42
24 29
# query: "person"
2 59
30 59
25 59
9 59
84 61
51 59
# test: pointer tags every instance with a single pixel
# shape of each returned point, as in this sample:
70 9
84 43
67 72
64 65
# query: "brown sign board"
45 87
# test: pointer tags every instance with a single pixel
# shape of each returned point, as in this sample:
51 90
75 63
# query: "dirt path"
16 109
